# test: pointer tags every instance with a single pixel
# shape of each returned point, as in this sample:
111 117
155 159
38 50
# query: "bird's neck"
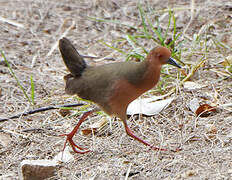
151 76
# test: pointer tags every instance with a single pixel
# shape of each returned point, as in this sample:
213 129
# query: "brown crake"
111 86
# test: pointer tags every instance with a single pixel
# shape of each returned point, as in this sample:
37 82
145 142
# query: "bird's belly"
124 93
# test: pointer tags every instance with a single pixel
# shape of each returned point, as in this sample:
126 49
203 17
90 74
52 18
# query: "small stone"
37 169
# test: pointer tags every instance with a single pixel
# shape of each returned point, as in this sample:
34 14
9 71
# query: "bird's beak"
173 62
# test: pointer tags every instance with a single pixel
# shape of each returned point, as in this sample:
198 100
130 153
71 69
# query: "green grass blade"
221 44
174 25
142 14
132 40
174 40
169 23
32 90
157 31
17 80
135 55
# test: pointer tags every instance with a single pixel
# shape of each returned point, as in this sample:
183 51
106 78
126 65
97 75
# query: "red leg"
131 134
73 132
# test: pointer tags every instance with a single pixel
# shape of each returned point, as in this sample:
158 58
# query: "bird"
113 86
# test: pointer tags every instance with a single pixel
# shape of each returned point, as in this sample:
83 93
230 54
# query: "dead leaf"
88 131
205 110
147 107
95 126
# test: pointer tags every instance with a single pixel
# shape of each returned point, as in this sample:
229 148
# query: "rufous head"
161 55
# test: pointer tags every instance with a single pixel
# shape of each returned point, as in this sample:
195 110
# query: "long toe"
75 145
80 152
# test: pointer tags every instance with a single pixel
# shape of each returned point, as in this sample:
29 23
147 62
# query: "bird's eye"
159 55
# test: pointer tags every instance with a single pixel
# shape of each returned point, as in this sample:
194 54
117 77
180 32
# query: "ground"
204 142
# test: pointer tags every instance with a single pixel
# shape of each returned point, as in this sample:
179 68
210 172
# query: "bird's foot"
73 145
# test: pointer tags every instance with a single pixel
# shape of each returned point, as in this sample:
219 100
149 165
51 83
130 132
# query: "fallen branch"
41 110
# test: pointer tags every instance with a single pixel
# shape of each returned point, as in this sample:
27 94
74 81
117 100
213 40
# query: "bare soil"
205 142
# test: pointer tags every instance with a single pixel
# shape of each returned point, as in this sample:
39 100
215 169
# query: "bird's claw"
73 145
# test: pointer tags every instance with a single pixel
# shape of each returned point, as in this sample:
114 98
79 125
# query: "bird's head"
161 55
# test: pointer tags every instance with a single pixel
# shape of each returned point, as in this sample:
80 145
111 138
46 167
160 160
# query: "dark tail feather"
72 59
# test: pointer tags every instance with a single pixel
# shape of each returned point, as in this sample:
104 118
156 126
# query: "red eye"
158 55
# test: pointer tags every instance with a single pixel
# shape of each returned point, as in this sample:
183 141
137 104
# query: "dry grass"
29 32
